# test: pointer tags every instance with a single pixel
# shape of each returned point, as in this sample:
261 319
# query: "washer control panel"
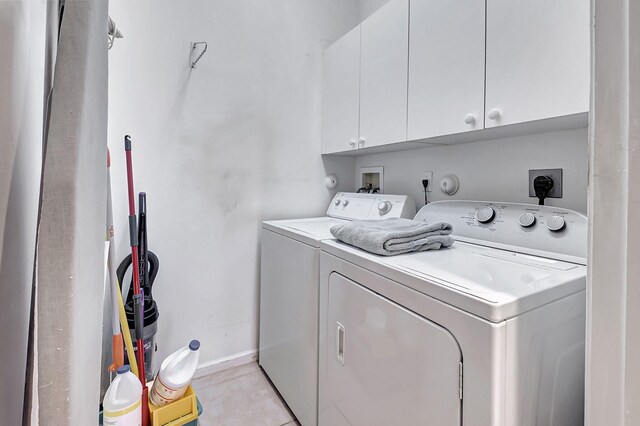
540 230
354 206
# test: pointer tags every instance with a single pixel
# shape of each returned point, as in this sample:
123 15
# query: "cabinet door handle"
361 142
352 143
340 343
469 118
494 114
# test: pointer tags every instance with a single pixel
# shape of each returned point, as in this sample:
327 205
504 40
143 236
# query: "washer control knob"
555 223
384 207
485 214
337 202
345 202
526 220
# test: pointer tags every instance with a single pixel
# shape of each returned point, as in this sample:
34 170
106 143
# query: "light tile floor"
241 396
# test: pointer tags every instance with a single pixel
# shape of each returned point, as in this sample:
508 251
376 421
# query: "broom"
137 296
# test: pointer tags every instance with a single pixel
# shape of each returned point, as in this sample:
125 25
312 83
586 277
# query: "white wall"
367 7
219 148
493 170
22 26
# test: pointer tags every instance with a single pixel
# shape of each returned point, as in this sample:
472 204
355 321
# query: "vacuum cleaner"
148 270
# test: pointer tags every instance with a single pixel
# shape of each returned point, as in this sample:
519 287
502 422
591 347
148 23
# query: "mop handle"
117 350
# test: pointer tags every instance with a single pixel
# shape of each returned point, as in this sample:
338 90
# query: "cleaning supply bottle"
122 402
175 374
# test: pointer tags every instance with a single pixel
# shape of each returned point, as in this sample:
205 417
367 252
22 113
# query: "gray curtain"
70 244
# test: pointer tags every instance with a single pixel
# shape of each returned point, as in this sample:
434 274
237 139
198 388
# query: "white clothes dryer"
489 332
290 260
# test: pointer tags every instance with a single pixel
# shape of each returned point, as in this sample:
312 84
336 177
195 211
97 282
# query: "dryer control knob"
526 220
345 202
485 214
384 207
555 223
337 202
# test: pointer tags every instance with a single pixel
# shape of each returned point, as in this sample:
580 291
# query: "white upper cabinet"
383 75
446 67
341 94
537 60
439 68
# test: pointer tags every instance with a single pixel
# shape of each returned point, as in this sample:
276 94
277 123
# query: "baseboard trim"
221 364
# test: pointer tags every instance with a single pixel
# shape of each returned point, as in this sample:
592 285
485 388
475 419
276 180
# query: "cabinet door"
383 75
386 365
537 60
341 94
446 67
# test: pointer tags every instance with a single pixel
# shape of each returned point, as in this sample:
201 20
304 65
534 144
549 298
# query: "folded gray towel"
394 236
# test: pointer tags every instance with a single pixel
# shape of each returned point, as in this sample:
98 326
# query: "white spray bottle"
175 374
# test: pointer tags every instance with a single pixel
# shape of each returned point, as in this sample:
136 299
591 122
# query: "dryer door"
387 365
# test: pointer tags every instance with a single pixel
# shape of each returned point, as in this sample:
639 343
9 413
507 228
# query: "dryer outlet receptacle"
554 174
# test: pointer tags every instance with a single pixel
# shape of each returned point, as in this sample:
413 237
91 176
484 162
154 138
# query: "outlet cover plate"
427 175
555 174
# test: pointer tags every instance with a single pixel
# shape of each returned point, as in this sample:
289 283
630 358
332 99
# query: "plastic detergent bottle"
122 402
175 374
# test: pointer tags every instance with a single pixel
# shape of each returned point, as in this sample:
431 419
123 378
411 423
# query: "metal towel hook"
194 49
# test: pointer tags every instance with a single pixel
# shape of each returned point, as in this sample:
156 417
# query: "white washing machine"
288 347
488 332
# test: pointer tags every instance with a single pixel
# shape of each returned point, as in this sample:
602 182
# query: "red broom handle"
138 316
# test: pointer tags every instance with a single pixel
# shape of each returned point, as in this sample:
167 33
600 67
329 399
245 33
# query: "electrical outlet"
555 174
429 176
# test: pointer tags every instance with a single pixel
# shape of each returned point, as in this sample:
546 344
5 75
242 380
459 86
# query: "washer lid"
309 231
492 283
